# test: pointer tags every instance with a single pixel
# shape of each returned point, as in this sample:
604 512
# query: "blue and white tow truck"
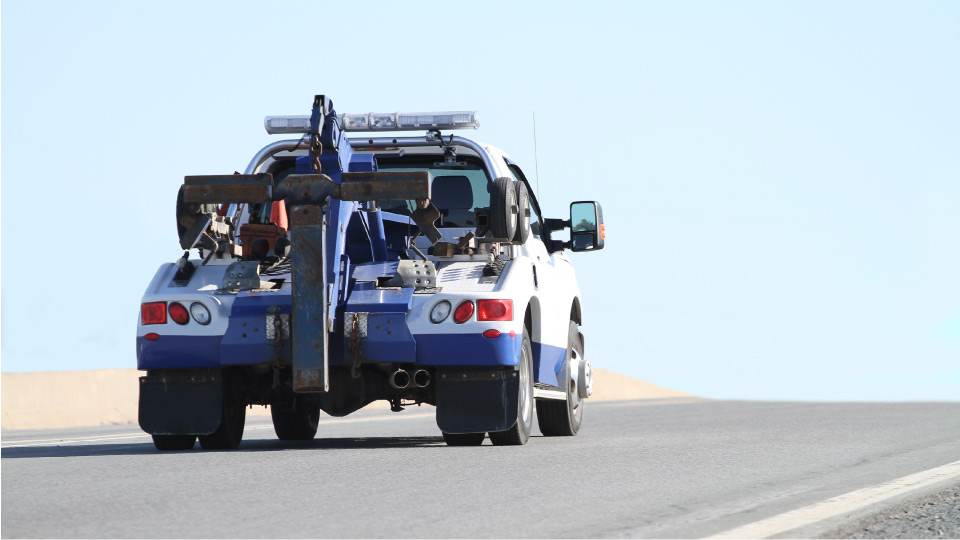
337 271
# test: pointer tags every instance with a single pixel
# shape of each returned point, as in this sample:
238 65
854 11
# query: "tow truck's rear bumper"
174 352
468 350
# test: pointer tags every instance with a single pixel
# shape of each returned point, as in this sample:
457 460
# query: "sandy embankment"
59 399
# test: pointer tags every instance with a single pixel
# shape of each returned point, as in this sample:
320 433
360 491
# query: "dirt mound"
610 385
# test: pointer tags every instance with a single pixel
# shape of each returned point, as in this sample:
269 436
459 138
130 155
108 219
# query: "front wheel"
520 432
563 418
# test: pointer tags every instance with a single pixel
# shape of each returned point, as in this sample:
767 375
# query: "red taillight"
494 310
491 333
179 313
151 336
464 312
153 313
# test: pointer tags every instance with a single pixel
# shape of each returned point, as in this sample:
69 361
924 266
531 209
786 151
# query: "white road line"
108 438
91 437
848 502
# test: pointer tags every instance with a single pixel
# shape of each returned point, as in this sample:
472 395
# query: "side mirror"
587 232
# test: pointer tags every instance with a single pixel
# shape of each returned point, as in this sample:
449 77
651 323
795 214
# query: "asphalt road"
668 468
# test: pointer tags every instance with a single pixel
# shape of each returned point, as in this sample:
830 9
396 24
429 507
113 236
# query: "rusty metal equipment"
309 196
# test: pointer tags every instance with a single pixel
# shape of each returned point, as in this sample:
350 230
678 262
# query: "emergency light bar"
445 120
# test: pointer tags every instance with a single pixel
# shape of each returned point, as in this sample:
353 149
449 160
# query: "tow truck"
336 271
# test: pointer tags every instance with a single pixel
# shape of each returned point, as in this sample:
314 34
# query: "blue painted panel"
381 300
249 303
468 350
239 351
547 362
245 341
388 339
363 163
169 352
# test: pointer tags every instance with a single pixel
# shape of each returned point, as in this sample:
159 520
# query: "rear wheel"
174 442
232 418
520 432
563 418
463 439
295 421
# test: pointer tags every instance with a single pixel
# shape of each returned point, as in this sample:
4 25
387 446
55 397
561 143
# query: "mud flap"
477 401
181 402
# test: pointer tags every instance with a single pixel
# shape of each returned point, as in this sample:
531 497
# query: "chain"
277 344
356 353
316 148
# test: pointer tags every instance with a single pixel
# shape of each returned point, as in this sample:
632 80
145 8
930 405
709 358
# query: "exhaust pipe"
421 378
399 379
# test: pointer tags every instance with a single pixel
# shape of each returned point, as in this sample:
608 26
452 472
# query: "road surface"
659 468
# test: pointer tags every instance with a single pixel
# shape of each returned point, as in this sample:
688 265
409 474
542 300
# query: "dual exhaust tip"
402 379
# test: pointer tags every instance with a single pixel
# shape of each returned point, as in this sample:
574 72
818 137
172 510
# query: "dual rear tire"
296 421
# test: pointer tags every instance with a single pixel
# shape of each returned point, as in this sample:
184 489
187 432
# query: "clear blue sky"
781 181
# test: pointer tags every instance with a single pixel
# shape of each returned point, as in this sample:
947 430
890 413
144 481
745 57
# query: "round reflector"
464 312
178 313
200 313
440 312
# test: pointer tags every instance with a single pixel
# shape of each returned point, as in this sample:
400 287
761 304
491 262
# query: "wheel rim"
573 394
526 404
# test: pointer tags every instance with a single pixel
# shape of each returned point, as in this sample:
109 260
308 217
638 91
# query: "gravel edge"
936 515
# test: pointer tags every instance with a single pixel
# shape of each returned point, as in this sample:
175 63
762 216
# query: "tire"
523 213
463 439
563 418
520 432
168 443
232 419
296 423
503 209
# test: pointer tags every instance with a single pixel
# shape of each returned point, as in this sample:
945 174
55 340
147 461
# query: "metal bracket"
241 275
417 274
425 216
